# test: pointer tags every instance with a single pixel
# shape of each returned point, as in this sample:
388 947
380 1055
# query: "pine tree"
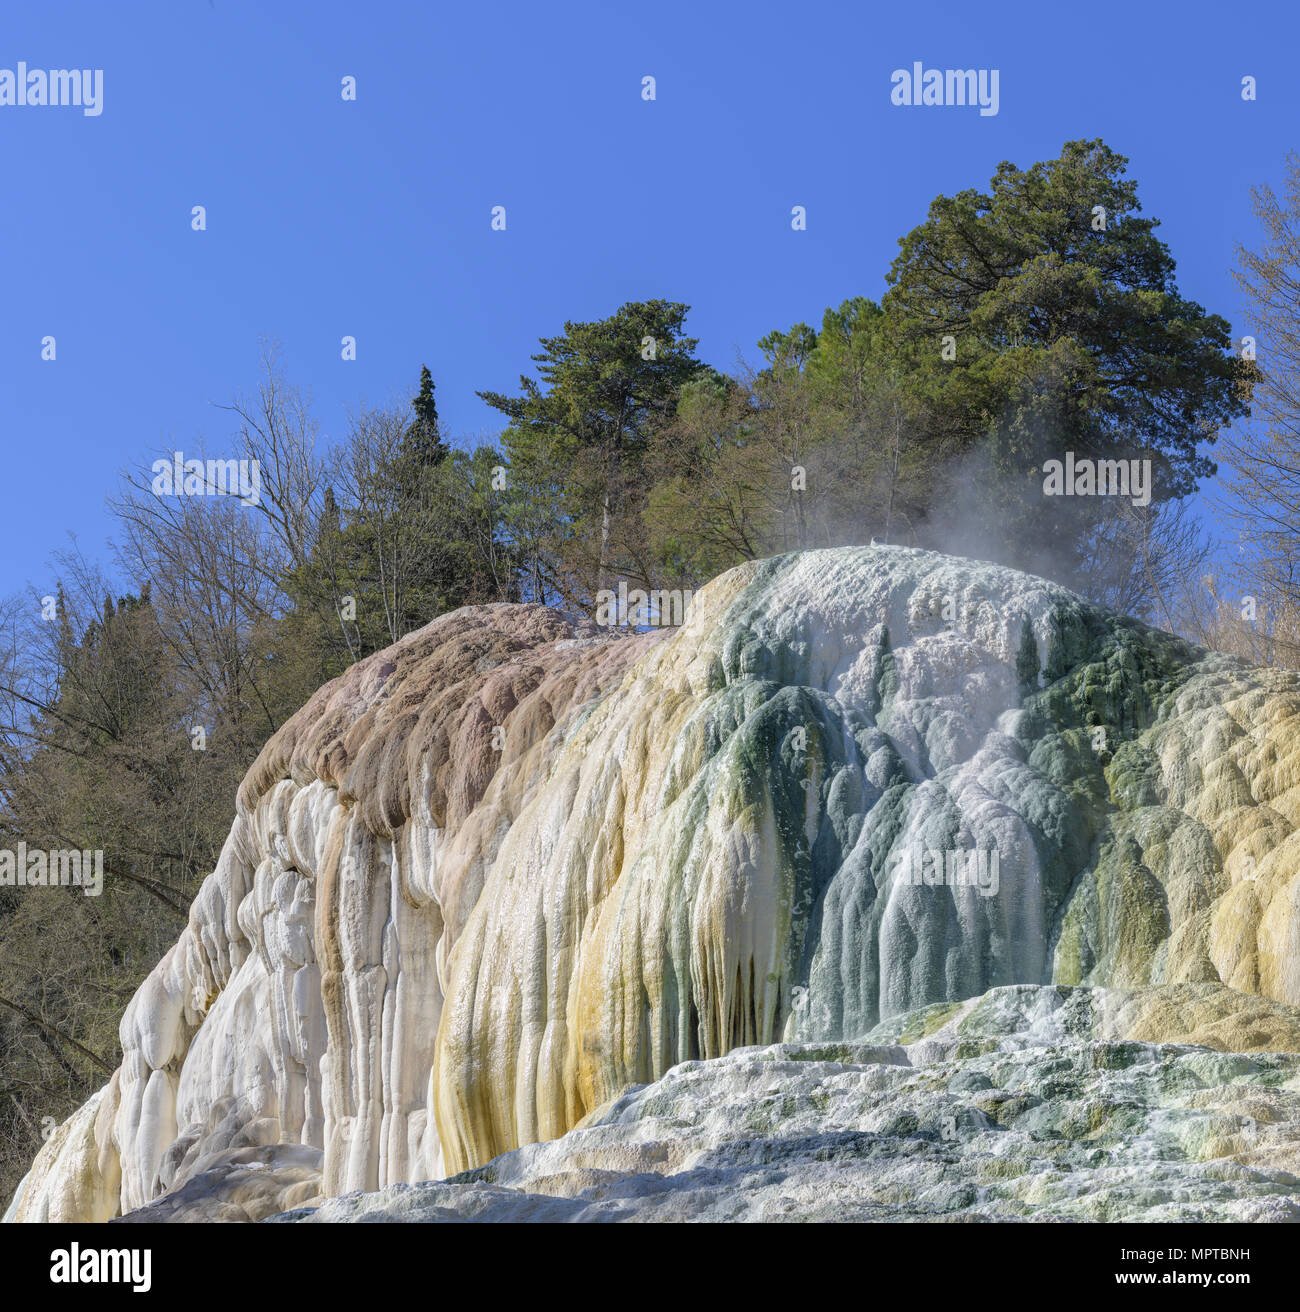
424 439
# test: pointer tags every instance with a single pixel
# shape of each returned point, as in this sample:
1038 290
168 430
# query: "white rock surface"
1014 1110
427 942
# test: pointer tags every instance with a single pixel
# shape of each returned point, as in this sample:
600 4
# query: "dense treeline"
1036 319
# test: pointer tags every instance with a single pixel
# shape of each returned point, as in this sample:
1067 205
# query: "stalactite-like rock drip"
502 870
301 1004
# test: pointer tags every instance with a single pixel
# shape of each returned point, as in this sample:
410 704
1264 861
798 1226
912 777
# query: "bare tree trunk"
893 472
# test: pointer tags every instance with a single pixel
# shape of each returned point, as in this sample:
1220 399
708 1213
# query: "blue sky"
372 219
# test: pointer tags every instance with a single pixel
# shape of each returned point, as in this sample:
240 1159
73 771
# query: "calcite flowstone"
248 1184
509 867
1023 1105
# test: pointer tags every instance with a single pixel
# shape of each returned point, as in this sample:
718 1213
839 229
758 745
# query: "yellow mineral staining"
1233 764
1206 1014
77 1174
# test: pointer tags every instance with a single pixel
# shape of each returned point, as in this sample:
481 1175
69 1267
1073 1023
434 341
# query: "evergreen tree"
1065 332
577 446
423 437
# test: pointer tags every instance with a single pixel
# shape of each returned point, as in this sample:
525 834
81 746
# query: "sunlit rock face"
512 865
1027 1104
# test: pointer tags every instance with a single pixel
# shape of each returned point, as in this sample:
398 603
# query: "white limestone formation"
501 872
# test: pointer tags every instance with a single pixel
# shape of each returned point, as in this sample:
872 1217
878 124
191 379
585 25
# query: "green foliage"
579 433
423 438
1037 319
106 764
1068 336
